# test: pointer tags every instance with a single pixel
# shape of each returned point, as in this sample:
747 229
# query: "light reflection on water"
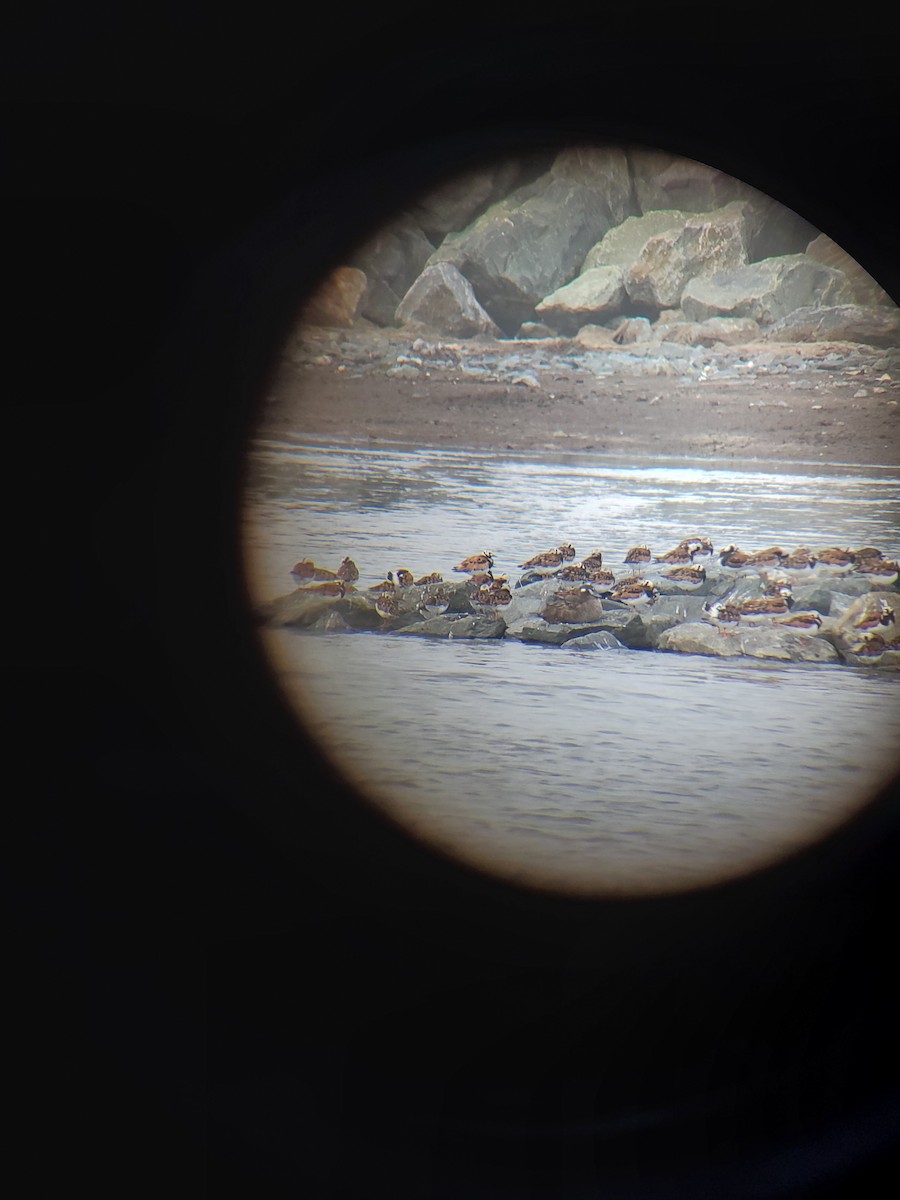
611 770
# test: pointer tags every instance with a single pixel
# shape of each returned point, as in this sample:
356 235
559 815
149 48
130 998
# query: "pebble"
503 363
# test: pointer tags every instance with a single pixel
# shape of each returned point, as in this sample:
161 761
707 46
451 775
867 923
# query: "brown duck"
572 606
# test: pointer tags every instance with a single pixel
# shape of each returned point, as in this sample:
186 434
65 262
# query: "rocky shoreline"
857 626
815 402
599 299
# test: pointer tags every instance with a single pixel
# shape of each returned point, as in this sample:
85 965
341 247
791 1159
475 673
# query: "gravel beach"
822 402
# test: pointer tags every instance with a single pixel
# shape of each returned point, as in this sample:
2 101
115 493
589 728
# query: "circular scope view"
572 524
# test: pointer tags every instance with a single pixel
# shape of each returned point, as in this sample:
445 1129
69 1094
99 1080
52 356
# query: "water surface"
598 771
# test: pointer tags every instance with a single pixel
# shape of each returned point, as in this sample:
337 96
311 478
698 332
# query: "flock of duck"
635 586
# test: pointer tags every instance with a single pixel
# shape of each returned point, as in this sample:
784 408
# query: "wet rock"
889 661
336 302
665 181
526 246
594 295
331 622
624 624
457 203
299 607
781 644
666 613
603 640
624 244
441 299
871 324
844 588
466 628
391 260
813 598
866 290
305 609
704 243
765 291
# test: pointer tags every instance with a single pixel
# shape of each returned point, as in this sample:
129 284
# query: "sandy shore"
812 412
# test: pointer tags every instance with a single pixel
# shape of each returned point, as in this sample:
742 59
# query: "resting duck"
603 579
404 578
638 555
572 606
763 609
435 600
476 562
434 577
593 561
491 596
687 577
306 569
701 547
876 614
550 560
333 587
799 564
348 571
772 556
636 592
870 647
681 556
387 605
807 622
733 559
835 560
878 571
573 572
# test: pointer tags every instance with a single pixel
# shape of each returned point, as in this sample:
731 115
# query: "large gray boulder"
455 204
870 324
526 246
666 613
668 181
391 260
306 609
602 640
623 245
623 624
442 300
704 243
478 627
783 645
665 180
594 296
866 290
765 291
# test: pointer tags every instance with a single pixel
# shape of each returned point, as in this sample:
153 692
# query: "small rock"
479 626
602 640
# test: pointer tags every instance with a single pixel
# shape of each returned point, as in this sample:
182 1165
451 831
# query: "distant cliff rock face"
600 237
